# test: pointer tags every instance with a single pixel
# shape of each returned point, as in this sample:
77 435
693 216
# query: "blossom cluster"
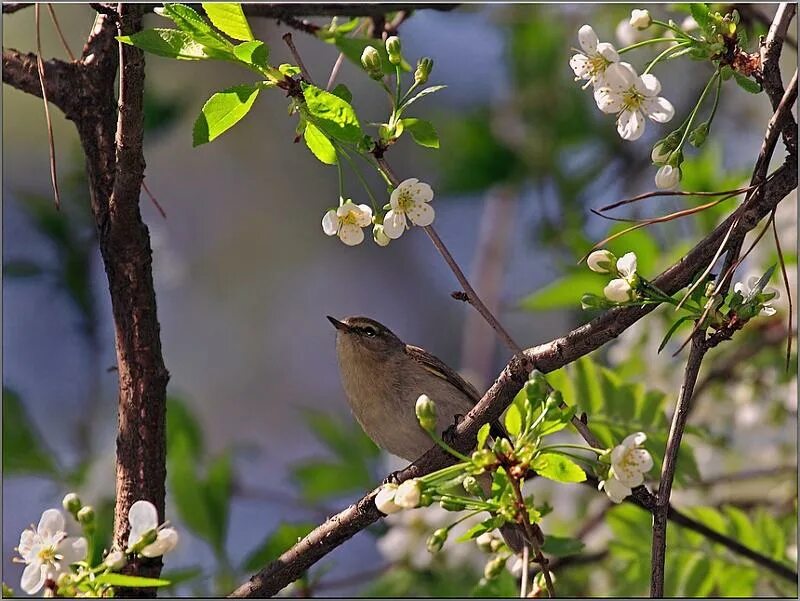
623 288
408 203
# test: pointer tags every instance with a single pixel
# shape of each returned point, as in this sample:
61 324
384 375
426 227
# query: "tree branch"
20 72
679 419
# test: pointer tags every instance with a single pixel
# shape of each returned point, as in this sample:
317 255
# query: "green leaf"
673 328
332 115
422 94
23 452
561 546
699 11
422 131
747 84
253 53
182 424
513 420
483 435
130 581
222 111
343 92
229 18
188 491
475 532
319 144
696 576
563 293
284 536
189 21
558 467
218 487
172 43
21 269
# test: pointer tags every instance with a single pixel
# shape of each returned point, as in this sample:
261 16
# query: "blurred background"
244 277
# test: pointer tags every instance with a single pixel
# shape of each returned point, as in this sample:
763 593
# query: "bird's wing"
439 368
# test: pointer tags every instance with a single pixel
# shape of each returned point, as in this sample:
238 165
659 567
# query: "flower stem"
696 108
573 446
645 43
677 30
664 55
438 440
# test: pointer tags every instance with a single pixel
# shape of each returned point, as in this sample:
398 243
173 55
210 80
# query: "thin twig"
679 419
57 25
788 288
50 140
531 535
523 581
656 193
287 37
153 200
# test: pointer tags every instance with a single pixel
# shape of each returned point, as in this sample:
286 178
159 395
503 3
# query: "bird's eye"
370 331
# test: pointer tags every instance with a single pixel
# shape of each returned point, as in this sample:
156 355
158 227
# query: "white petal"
648 85
626 265
770 290
641 460
330 223
628 477
72 550
752 281
659 109
394 224
615 490
587 38
421 214
618 454
740 288
50 524
364 217
580 65
384 500
667 177
351 234
421 192
142 517
393 199
165 542
607 51
618 291
630 125
768 310
33 578
620 76
26 541
636 439
608 100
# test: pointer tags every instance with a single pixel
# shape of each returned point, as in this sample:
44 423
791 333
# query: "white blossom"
143 520
629 461
408 201
48 551
592 63
640 19
632 98
615 489
744 288
621 289
384 500
408 494
347 221
667 177
601 261
660 154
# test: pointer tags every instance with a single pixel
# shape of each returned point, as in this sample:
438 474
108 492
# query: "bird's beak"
339 325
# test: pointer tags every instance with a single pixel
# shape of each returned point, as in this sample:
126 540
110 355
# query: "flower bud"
408 494
379 236
667 177
371 60
675 159
619 291
494 568
602 261
426 413
483 458
660 153
698 135
711 287
72 503
384 500
536 388
85 515
640 19
554 401
592 301
393 49
484 541
502 447
115 560
470 484
424 68
437 539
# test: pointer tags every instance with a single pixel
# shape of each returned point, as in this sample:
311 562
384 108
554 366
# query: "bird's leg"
449 435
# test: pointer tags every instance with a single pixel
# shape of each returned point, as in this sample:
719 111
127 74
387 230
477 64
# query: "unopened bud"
379 236
536 388
494 567
602 261
408 494
437 540
660 152
424 68
483 458
472 487
640 19
484 541
426 413
371 60
72 503
502 446
393 49
86 515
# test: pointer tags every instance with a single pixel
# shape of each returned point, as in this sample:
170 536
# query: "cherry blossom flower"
667 177
632 98
48 551
409 201
629 461
615 489
347 222
384 500
146 536
622 289
601 261
592 63
408 494
745 288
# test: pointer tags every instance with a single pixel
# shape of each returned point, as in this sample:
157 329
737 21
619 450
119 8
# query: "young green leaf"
130 581
253 53
513 420
218 487
561 546
189 21
343 92
483 434
229 18
746 83
422 94
332 115
222 111
558 467
22 449
172 43
319 144
422 132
